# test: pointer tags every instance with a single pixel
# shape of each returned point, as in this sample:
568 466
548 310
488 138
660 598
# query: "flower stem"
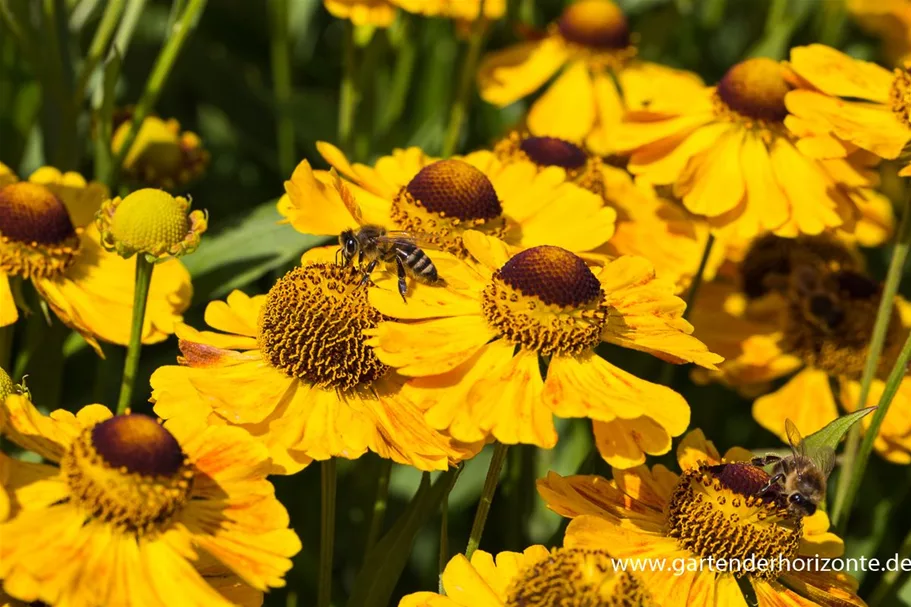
347 102
327 532
140 299
460 106
100 41
281 82
853 464
406 56
163 65
490 487
379 504
444 541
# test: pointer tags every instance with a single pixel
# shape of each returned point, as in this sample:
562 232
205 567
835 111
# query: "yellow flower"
47 236
729 157
648 225
889 19
709 511
591 44
441 199
535 577
381 13
844 104
161 155
127 500
768 328
473 348
293 369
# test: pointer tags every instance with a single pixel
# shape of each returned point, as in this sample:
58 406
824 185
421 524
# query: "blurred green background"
222 89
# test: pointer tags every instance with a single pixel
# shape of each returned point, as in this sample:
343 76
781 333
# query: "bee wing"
348 198
794 438
824 458
421 239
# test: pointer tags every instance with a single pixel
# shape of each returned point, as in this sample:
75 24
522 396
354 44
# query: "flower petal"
623 443
239 314
465 586
694 449
835 73
806 400
8 312
82 199
508 75
609 113
23 424
313 204
712 182
576 220
567 109
813 207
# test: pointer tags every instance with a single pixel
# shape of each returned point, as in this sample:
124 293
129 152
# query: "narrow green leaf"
832 433
384 564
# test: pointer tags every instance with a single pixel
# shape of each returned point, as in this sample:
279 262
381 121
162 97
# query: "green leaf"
384 564
246 251
832 433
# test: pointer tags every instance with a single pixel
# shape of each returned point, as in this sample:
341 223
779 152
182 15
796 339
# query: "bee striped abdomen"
418 262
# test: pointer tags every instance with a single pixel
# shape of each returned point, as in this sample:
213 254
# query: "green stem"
163 65
460 107
379 504
140 299
60 129
444 541
348 92
100 41
490 487
406 57
281 81
878 340
326 532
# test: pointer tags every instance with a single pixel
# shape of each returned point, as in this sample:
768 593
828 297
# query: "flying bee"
375 244
800 477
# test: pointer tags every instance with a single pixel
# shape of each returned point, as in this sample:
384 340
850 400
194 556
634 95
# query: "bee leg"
400 267
772 482
765 460
368 270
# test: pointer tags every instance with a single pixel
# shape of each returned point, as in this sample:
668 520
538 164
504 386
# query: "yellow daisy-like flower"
474 347
888 19
381 13
535 577
441 199
292 368
47 236
135 503
162 155
845 103
648 225
727 154
687 523
591 44
808 325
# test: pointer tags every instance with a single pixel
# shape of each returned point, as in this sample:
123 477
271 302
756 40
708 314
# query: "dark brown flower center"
139 444
597 24
550 151
453 188
31 214
755 89
552 274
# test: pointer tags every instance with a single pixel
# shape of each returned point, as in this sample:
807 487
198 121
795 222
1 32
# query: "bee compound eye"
796 498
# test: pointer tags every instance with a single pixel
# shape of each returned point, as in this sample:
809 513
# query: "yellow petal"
764 197
695 449
663 161
378 13
82 199
508 75
817 540
806 400
465 586
835 73
567 109
243 393
572 496
432 599
8 312
712 182
238 314
313 205
645 86
491 252
24 425
576 219
813 208
623 443
609 112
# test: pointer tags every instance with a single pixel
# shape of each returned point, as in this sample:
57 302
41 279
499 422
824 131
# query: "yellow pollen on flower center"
715 511
128 471
311 327
546 299
900 96
149 220
37 237
572 577
446 198
754 89
597 24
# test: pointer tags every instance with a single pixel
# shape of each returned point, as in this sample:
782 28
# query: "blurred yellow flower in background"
474 347
47 236
161 155
709 510
441 199
769 325
888 19
381 13
138 505
727 154
292 368
535 576
590 44
844 104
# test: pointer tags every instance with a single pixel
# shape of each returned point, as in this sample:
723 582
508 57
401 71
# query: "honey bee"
800 477
375 244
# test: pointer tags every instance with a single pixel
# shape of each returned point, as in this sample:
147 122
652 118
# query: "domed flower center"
830 318
572 577
755 89
900 96
311 327
717 512
770 259
546 299
550 151
596 24
583 169
149 219
128 471
37 237
446 198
